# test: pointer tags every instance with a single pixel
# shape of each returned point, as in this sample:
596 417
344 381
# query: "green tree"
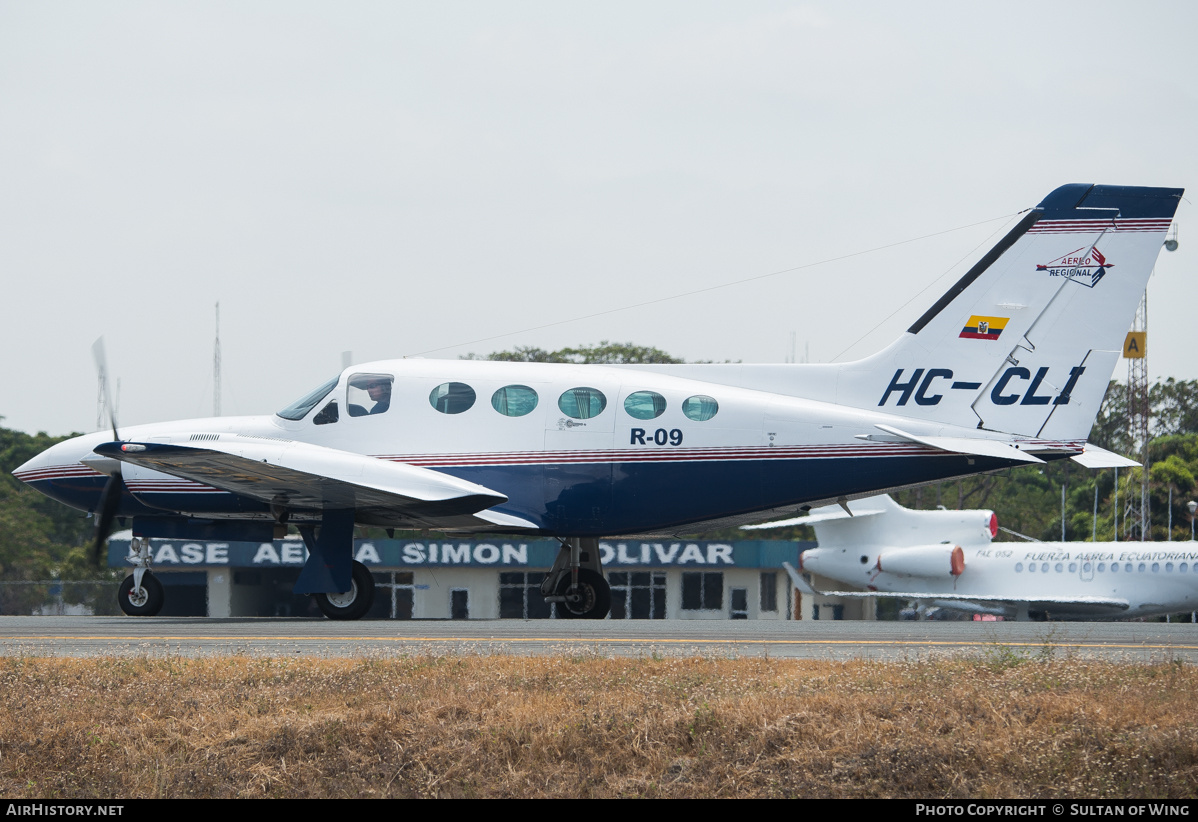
40 538
1174 407
605 353
1110 429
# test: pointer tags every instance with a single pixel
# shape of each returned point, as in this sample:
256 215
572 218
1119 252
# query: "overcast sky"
400 178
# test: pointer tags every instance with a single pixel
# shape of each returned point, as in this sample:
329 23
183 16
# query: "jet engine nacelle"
923 561
822 561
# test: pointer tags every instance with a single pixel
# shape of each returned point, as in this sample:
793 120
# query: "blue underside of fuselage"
610 499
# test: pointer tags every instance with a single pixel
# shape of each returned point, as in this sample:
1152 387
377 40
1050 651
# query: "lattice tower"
1135 514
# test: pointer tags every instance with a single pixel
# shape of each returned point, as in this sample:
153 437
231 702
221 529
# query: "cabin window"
1102 567
1168 567
514 400
300 408
452 397
1156 567
1018 567
700 408
1060 566
1073 567
1142 568
1182 568
582 403
368 394
327 414
1044 567
645 405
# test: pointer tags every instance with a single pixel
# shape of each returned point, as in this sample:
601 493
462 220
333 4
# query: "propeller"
114 489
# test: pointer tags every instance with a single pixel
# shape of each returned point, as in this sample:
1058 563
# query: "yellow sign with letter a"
1135 347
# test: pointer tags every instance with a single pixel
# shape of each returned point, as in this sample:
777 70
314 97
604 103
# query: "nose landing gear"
145 599
141 593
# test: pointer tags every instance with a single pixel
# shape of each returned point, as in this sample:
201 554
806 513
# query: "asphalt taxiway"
889 641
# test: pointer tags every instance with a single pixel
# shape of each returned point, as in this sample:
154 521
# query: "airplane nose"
58 473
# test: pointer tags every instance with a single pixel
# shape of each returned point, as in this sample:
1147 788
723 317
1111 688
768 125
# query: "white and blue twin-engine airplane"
1007 368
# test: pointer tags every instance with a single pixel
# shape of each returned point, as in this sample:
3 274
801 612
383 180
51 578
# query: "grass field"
1006 725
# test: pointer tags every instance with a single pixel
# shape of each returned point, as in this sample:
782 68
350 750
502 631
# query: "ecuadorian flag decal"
984 328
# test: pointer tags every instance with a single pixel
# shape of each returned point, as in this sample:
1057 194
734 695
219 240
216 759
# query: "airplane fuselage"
633 452
1151 578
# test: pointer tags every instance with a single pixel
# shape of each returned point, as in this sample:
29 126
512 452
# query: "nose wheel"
141 600
141 593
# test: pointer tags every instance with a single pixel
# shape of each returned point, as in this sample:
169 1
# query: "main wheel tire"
592 600
147 601
354 603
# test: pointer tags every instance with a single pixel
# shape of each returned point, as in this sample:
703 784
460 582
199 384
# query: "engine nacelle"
819 561
923 561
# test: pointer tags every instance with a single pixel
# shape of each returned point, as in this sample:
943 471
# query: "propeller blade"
102 371
110 500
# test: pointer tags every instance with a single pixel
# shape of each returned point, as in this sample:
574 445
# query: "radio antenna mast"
216 368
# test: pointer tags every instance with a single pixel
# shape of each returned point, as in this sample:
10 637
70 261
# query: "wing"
1093 606
301 477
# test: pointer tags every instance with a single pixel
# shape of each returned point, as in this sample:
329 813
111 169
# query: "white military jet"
1007 368
947 559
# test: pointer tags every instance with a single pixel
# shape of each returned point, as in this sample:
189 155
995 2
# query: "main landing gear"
575 583
141 593
352 604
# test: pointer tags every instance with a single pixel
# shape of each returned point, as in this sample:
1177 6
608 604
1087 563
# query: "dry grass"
1003 726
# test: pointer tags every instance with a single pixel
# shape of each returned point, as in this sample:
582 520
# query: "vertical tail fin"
1026 341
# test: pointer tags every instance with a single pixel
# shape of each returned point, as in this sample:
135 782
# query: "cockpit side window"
300 408
326 415
368 394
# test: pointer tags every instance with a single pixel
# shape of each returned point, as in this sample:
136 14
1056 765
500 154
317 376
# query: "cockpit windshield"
302 406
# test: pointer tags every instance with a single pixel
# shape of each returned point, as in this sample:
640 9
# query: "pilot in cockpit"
373 387
380 394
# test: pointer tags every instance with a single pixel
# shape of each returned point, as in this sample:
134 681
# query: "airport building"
496 578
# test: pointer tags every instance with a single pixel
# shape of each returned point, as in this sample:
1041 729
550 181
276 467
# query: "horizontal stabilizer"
811 519
966 445
1095 457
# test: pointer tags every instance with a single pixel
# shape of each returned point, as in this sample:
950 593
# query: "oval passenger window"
700 408
452 397
514 400
582 403
645 405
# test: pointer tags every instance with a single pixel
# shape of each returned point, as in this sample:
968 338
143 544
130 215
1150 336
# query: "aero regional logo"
1085 267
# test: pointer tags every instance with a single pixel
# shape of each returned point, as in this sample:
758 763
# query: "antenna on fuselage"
216 367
